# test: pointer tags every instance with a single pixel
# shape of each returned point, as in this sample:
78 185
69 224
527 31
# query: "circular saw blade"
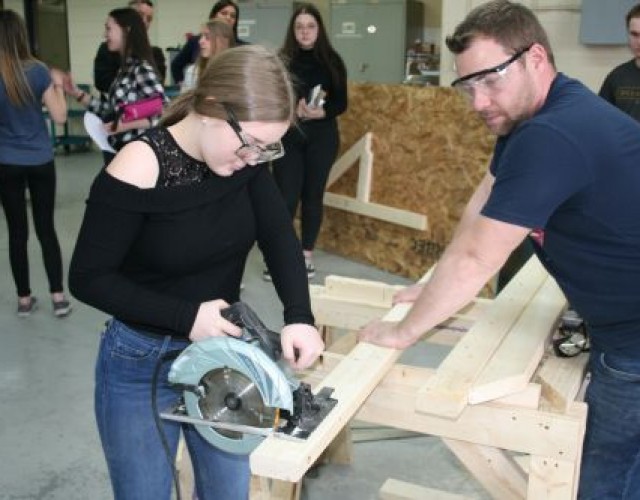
231 397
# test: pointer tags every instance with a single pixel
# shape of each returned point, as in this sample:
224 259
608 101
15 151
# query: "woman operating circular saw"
162 249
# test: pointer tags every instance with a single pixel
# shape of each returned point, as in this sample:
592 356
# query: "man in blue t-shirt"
621 87
565 173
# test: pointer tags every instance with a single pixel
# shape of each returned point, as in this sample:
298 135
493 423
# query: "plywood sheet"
430 151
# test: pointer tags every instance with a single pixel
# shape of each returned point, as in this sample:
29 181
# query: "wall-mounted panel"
603 22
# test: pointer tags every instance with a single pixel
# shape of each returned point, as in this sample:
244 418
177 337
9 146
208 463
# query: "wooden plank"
344 344
447 393
521 430
475 309
353 379
578 410
340 451
361 149
376 211
529 397
500 475
375 293
519 354
393 489
350 303
524 462
186 481
380 433
561 379
365 171
341 313
551 479
266 489
361 204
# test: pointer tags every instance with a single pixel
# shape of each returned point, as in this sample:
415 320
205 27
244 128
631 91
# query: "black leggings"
41 181
302 173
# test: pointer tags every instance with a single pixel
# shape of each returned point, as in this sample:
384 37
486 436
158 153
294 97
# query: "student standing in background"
137 79
215 37
621 87
107 63
26 159
312 144
225 10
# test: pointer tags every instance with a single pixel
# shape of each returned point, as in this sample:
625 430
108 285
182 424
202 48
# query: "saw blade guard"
227 353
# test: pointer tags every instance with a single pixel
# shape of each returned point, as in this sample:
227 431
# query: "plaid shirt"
136 80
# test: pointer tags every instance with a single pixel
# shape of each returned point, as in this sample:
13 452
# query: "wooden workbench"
500 402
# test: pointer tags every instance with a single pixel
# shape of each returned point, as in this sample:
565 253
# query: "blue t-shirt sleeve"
39 80
536 170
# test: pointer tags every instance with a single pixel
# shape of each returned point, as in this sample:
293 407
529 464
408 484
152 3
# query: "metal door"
370 37
265 24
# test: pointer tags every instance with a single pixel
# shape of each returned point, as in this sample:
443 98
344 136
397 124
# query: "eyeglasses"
488 80
250 152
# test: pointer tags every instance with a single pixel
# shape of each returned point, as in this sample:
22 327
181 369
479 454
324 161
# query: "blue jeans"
138 465
611 455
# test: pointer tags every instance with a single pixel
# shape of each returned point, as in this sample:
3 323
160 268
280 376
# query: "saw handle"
253 329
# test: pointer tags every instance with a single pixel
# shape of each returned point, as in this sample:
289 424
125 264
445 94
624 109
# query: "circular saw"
237 390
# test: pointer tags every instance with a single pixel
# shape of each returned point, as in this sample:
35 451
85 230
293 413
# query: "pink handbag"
144 108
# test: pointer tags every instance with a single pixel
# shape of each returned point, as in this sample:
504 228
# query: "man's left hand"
385 334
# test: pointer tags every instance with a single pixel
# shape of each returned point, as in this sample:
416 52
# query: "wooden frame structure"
361 204
496 400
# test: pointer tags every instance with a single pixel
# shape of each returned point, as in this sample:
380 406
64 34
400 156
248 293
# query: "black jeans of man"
302 173
41 182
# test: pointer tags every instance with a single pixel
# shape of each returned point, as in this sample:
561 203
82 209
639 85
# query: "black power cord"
171 355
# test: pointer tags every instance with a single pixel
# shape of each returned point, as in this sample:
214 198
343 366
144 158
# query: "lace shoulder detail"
177 168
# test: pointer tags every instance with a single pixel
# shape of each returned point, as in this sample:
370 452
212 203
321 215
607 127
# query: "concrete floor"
49 447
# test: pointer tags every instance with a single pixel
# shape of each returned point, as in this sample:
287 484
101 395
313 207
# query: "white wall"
174 18
561 19
15 5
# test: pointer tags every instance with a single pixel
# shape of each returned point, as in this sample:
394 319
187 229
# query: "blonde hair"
249 79
217 28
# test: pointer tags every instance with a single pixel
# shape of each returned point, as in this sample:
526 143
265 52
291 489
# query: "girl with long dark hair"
137 79
311 145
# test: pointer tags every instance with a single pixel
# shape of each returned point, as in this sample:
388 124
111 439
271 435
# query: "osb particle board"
430 151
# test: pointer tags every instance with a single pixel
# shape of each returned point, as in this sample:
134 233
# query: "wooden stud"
529 397
339 313
353 379
370 292
361 204
271 489
370 386
561 379
447 393
385 213
551 479
492 467
361 149
519 354
518 429
340 451
186 481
